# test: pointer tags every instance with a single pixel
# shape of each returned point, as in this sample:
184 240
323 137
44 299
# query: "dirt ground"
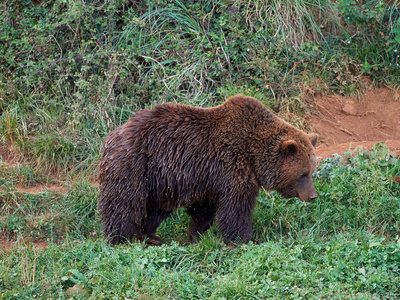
348 122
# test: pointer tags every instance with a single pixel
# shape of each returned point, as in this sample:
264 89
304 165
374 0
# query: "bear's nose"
312 198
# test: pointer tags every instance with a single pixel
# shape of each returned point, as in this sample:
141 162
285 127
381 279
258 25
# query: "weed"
11 131
52 151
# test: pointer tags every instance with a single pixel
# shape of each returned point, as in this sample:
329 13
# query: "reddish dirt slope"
348 122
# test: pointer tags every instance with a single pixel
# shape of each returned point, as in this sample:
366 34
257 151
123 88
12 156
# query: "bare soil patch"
347 122
7 244
40 188
9 156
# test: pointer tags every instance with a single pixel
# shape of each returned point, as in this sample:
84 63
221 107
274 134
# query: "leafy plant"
372 29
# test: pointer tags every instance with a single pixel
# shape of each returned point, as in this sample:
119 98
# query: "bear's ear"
313 138
289 147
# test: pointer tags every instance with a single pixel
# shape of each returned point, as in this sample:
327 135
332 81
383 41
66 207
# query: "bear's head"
282 156
298 164
288 168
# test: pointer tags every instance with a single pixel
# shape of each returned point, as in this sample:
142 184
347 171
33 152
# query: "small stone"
349 109
78 289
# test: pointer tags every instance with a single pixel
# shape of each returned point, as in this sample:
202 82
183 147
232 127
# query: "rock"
349 109
78 290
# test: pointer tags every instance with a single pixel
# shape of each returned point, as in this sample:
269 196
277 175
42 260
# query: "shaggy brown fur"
211 160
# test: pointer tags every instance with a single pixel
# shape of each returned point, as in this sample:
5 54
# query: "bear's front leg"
234 216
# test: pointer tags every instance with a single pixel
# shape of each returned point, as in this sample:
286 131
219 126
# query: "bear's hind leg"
202 219
153 220
118 234
117 239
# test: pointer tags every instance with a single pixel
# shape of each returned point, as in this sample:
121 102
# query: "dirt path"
348 122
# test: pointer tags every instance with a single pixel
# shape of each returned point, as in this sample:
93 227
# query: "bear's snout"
309 194
313 197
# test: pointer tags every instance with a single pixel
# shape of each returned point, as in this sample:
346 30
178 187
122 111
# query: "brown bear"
211 160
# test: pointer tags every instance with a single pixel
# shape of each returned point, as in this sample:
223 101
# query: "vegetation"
72 70
345 244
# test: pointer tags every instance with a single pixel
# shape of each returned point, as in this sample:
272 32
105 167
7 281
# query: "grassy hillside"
71 71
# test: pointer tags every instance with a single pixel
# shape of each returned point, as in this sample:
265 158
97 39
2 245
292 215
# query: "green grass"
344 245
49 215
22 175
343 267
